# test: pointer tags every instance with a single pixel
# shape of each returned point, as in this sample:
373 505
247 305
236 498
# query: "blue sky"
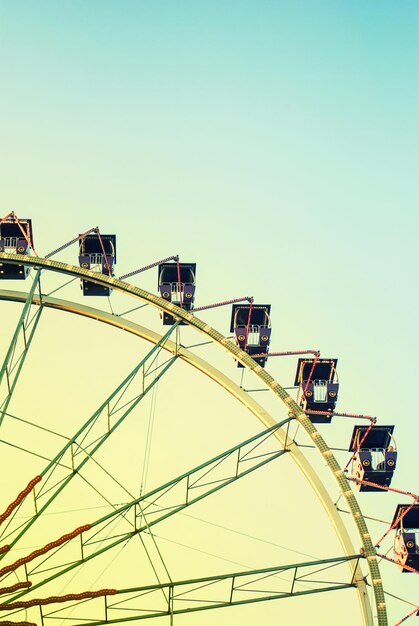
274 143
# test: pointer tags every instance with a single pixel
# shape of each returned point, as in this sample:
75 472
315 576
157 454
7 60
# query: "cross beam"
195 594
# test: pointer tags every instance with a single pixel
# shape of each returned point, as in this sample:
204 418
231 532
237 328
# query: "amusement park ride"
370 468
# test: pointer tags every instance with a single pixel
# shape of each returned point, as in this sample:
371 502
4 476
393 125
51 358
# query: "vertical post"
171 604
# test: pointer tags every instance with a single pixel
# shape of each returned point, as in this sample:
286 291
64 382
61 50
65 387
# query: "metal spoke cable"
31 453
151 368
47 430
151 562
64 621
153 538
149 437
222 558
263 389
198 345
200 551
137 308
150 371
95 461
248 535
61 286
144 477
109 474
193 517
391 595
108 502
307 445
110 305
372 519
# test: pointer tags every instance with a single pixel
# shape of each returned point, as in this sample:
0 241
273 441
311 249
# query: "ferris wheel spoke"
112 606
19 346
109 531
82 447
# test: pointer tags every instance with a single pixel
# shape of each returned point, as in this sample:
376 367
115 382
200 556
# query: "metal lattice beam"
19 346
158 504
196 594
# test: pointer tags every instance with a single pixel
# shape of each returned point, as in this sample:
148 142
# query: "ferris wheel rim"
239 394
216 337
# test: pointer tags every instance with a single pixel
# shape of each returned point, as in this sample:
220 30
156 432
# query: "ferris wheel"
135 471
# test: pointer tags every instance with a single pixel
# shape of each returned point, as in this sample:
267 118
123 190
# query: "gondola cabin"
97 253
177 283
406 542
15 238
375 458
251 326
318 388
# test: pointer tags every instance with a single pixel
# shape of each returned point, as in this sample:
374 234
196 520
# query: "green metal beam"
163 502
19 347
205 593
80 448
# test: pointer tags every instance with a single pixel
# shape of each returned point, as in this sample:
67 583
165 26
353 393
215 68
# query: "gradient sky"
275 143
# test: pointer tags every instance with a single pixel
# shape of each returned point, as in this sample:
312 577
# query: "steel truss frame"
155 506
271 384
203 594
